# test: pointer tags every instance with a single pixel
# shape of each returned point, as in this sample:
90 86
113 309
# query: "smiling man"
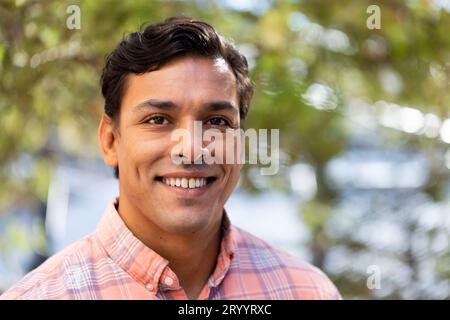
167 235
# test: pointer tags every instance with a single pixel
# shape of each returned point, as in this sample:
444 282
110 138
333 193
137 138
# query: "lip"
187 192
187 175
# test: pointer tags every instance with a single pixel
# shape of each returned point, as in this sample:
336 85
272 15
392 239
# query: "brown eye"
158 120
218 121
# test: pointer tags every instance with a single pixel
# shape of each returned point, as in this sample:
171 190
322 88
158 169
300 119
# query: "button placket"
168 281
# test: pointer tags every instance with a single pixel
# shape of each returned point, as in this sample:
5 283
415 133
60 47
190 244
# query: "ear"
107 138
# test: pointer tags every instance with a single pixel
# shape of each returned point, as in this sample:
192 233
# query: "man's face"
153 106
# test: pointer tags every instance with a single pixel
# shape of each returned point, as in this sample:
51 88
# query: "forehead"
186 81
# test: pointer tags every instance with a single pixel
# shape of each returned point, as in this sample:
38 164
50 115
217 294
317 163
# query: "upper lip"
186 175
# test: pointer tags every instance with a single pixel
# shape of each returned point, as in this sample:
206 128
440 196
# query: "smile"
186 183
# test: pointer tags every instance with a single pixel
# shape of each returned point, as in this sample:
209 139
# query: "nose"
189 143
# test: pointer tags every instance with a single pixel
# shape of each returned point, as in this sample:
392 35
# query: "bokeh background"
364 132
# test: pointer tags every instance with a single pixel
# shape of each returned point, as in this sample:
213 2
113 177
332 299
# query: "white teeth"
186 183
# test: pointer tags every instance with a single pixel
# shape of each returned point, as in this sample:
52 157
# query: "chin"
189 220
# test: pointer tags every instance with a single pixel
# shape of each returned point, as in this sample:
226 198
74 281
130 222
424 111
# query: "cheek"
233 172
141 152
225 148
232 178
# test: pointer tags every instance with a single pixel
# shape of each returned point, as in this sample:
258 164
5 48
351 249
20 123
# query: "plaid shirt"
112 263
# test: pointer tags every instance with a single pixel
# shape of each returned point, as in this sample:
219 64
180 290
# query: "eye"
158 120
218 121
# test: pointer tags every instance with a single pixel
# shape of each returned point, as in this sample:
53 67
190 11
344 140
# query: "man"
167 235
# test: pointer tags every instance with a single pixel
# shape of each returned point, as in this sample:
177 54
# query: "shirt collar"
144 264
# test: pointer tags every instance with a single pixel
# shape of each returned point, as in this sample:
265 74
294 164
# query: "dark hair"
147 50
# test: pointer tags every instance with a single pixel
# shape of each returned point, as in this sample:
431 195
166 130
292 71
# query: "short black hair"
149 49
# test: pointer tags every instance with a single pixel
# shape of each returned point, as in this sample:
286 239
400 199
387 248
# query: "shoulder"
59 274
282 271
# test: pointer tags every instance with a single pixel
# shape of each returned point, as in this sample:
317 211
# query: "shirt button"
149 286
168 281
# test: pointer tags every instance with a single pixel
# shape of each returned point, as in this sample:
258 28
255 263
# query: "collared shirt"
111 263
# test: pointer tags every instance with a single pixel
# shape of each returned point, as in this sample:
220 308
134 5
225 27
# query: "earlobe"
107 141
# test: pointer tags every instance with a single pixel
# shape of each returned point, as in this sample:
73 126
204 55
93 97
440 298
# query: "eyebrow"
221 106
169 105
153 103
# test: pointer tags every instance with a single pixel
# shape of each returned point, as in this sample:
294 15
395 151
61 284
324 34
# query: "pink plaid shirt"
112 263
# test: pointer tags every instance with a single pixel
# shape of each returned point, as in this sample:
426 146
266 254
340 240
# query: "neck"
193 260
192 257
